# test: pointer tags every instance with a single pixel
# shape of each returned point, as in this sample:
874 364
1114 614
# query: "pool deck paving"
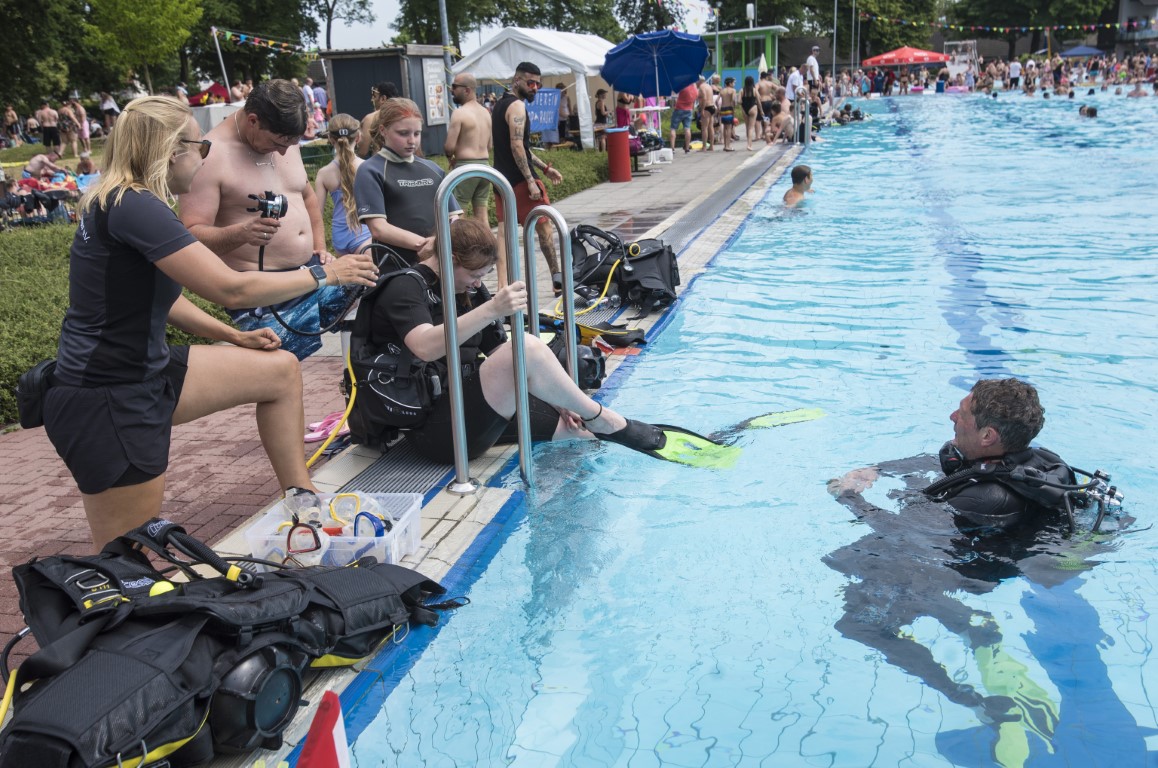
219 478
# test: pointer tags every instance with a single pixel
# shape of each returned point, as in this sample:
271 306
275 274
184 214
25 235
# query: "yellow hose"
594 304
8 692
337 427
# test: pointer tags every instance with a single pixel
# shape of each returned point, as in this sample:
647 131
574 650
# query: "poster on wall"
435 84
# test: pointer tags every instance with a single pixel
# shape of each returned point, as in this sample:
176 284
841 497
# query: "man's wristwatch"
319 273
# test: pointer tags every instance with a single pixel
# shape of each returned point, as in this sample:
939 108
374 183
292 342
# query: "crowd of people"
268 262
266 258
119 387
1056 76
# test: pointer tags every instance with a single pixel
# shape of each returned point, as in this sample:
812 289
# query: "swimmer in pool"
801 184
931 555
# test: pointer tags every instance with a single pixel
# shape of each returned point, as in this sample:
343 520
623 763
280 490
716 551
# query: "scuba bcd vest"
135 670
394 389
1006 491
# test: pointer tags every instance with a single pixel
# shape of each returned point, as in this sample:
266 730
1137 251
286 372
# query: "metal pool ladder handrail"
463 484
549 212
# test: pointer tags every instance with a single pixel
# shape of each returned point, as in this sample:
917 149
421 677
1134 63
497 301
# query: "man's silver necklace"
245 143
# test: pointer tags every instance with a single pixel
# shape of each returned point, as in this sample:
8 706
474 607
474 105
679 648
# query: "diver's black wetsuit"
917 557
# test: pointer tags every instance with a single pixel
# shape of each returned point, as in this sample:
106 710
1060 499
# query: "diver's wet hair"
1009 406
800 173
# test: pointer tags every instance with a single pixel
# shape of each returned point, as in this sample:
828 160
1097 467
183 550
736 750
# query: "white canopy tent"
555 53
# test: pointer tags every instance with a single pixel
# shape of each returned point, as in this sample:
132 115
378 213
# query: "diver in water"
1002 509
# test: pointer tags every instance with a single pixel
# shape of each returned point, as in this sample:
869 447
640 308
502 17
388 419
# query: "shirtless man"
765 93
49 132
468 140
378 95
255 150
728 112
781 125
707 114
43 165
801 184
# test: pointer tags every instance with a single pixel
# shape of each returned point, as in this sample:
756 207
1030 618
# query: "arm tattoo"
517 151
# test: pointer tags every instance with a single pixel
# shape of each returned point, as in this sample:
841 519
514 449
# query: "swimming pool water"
640 613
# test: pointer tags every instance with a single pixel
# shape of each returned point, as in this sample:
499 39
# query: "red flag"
326 742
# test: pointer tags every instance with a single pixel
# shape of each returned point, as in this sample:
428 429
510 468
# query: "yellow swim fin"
781 418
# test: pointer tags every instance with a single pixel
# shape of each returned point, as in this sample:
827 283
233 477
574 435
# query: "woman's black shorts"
484 428
118 434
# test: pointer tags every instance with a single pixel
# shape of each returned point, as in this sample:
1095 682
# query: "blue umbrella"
655 63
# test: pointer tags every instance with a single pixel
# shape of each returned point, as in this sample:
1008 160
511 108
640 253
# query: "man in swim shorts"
766 93
681 115
728 112
510 129
468 141
256 149
707 114
49 130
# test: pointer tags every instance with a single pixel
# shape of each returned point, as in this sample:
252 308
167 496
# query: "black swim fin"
675 444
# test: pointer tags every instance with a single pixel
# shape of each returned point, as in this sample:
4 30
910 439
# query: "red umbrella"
904 55
205 97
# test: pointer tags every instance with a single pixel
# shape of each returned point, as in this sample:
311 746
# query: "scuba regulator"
272 205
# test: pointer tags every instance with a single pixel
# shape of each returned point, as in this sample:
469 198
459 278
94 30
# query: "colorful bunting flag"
264 42
1129 26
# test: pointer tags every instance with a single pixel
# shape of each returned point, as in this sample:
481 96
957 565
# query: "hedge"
34 280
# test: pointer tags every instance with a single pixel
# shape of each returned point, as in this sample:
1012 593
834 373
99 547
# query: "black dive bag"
645 273
134 669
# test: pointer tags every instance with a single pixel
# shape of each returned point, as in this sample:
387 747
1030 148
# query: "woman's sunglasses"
205 145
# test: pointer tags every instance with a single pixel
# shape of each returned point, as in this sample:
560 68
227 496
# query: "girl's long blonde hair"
342 133
138 149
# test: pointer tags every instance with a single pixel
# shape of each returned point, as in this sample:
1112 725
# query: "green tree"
282 20
418 20
37 38
882 36
140 33
792 14
349 11
640 16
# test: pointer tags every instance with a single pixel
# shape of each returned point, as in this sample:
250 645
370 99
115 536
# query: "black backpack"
649 277
594 252
646 272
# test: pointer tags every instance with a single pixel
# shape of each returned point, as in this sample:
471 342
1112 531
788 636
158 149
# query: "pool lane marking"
967 291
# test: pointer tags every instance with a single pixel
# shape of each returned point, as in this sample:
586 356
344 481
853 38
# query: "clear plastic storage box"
404 510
